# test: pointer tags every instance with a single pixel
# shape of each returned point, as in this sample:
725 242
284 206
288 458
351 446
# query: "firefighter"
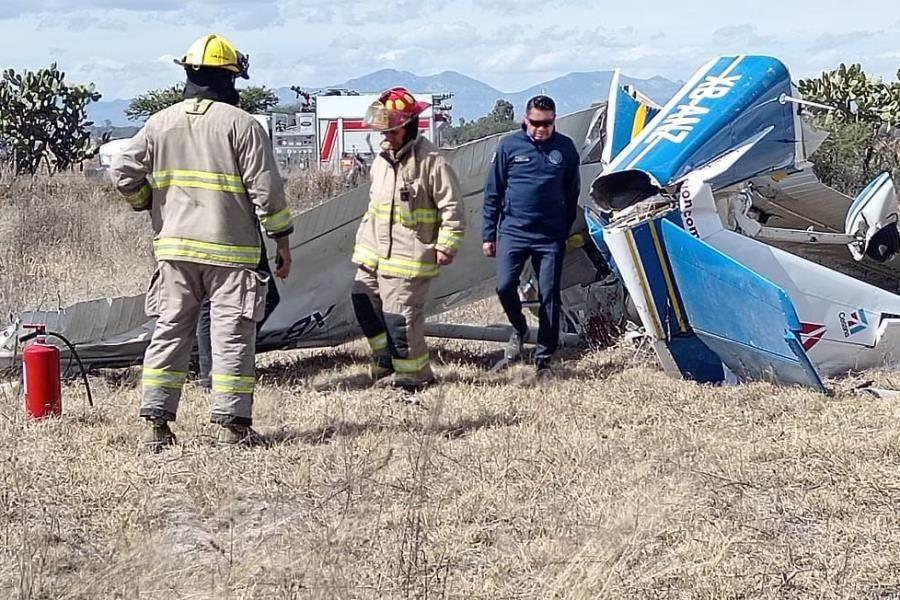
413 226
206 171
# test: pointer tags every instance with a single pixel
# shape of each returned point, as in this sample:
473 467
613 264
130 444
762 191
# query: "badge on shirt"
555 157
521 159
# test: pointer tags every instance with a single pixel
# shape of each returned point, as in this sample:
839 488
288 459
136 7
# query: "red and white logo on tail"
811 334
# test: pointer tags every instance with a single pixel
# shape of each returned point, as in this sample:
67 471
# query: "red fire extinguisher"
40 372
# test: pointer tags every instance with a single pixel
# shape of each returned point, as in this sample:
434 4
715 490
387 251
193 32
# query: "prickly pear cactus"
856 96
864 139
43 120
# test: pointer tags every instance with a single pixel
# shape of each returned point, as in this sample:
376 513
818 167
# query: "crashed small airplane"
724 247
737 259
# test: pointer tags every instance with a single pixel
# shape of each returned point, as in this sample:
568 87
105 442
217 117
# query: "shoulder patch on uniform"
198 106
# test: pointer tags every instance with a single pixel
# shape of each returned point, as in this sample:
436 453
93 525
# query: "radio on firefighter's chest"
407 192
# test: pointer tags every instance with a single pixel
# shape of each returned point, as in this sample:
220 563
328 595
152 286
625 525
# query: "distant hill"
578 90
472 98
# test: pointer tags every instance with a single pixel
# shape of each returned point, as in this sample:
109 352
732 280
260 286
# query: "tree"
863 137
44 120
151 102
503 111
258 99
855 96
499 120
254 99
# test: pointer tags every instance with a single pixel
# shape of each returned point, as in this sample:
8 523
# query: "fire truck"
329 131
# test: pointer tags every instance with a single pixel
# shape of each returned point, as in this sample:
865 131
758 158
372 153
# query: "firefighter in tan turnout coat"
205 170
414 225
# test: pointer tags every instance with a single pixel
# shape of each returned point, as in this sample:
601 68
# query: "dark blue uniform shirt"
532 189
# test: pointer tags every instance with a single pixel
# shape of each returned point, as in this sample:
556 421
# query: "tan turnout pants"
391 313
237 301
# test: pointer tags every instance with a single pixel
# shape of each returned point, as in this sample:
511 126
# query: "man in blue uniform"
530 203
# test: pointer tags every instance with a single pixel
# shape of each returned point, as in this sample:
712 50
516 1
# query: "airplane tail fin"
628 112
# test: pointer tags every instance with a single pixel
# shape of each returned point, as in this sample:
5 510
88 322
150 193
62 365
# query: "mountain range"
471 98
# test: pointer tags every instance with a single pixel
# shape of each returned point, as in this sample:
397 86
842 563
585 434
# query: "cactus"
863 138
43 120
857 97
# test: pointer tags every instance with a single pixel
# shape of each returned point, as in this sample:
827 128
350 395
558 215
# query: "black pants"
547 260
204 345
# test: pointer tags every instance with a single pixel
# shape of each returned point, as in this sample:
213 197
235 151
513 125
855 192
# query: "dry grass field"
609 481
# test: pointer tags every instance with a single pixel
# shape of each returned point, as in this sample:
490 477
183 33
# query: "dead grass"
66 238
306 189
610 481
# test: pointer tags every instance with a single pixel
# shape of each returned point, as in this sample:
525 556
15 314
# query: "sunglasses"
546 123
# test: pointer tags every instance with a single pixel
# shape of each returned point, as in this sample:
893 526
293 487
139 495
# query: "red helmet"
393 109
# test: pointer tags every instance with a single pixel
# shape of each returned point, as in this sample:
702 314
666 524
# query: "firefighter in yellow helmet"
413 226
205 170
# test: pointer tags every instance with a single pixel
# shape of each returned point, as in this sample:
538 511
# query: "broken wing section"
639 250
873 218
119 324
847 324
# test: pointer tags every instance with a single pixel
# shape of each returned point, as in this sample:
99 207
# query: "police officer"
530 203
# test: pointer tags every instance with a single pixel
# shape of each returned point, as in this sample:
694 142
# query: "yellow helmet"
215 51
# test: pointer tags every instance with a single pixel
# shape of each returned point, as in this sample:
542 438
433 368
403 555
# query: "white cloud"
512 57
11 9
517 7
744 37
112 14
125 46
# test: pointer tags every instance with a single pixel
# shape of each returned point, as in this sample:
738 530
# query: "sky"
126 47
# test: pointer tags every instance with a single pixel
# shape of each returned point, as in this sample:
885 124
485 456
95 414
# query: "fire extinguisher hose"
84 377
71 347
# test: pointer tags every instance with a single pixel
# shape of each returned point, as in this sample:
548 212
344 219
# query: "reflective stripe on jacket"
415 208
207 173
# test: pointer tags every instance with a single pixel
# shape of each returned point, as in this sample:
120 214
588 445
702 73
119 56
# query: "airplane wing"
315 308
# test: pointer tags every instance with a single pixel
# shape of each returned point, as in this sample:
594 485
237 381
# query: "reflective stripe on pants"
369 314
395 307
